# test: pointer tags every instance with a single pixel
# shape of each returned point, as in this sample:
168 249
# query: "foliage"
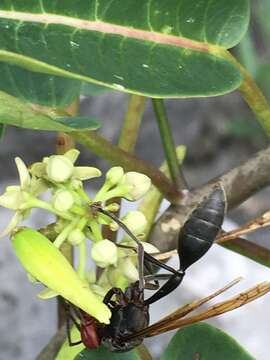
51 52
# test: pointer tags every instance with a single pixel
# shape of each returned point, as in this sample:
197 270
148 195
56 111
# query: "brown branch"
240 183
52 348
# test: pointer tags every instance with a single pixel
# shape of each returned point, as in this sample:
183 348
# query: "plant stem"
168 144
64 143
253 95
250 250
117 156
127 141
151 202
82 260
131 126
143 352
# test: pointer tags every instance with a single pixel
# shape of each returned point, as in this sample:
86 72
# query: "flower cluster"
76 221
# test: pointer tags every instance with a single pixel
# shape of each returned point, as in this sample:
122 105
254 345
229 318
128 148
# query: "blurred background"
219 133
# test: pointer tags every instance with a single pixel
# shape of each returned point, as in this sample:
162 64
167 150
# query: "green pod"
46 263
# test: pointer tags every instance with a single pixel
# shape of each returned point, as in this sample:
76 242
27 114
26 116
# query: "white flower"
63 200
128 269
75 237
114 175
15 197
138 185
59 168
135 221
104 253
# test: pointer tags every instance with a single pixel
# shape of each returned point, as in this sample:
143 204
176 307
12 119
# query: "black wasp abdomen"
200 230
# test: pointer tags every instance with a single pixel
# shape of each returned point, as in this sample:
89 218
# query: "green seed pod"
46 263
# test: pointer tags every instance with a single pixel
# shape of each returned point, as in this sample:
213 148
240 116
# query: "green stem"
64 234
253 95
36 203
96 231
151 202
168 143
130 129
117 156
250 250
82 260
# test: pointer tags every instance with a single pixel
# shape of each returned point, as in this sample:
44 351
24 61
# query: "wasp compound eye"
200 230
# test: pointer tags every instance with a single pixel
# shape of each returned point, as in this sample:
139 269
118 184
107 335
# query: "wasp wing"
177 319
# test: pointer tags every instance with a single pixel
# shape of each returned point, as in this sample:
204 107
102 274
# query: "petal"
38 169
86 172
72 155
23 173
59 168
15 220
38 186
47 294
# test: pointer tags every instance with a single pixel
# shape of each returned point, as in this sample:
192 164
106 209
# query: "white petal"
72 155
15 220
23 173
86 172
59 168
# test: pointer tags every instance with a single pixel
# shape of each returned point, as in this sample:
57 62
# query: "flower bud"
49 266
112 207
114 175
75 237
38 169
59 168
104 253
63 200
13 198
139 185
128 269
135 221
117 279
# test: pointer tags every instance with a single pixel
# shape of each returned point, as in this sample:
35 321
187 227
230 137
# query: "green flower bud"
112 207
104 253
47 264
116 278
63 200
75 237
128 269
59 168
138 183
38 169
135 221
114 175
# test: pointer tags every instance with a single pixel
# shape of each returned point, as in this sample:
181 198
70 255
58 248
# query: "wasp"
129 323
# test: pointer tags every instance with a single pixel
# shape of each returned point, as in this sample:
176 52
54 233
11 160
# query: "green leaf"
53 91
155 48
17 113
90 89
2 131
204 342
102 353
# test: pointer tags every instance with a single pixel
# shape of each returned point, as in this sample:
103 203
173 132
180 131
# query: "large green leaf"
172 48
204 342
18 113
102 353
43 89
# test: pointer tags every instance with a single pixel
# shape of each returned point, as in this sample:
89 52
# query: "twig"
115 155
168 144
52 348
239 183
